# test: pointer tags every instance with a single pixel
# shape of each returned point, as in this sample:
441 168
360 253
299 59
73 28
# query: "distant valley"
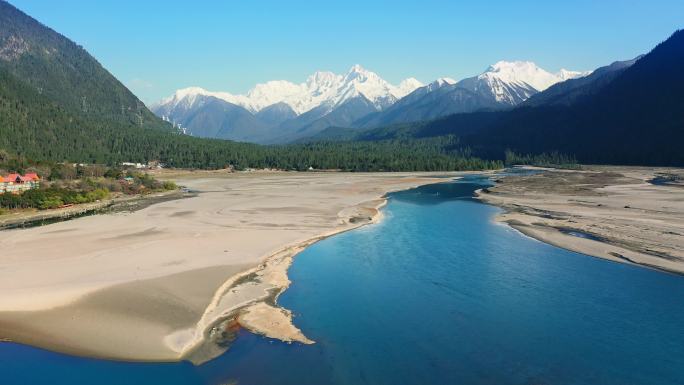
628 112
58 103
285 112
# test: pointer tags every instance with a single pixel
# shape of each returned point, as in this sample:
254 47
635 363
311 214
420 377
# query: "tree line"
59 189
32 127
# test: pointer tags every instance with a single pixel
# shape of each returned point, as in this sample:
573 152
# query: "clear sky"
155 46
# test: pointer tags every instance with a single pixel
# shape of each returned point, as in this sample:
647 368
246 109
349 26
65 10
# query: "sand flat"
613 213
150 285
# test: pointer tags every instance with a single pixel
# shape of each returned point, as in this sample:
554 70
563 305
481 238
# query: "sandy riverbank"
169 282
622 216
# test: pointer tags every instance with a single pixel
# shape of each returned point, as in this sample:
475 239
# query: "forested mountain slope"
65 74
627 113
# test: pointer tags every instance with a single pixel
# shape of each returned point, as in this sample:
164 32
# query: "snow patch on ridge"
512 82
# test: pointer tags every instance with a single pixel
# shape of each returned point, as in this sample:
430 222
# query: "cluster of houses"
151 165
16 183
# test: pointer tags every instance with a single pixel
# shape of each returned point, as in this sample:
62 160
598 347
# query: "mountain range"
278 110
628 112
282 112
58 103
503 85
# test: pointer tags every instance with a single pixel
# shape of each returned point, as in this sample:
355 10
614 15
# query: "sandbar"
174 280
615 213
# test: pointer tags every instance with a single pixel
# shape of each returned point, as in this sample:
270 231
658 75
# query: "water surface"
437 293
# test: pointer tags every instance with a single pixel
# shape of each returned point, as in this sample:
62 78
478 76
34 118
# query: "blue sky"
155 47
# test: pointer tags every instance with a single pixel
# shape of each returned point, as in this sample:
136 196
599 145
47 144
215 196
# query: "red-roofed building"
16 183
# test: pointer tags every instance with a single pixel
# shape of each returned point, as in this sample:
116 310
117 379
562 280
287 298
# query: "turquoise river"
436 293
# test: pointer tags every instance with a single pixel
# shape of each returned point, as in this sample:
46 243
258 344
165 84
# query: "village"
63 185
17 183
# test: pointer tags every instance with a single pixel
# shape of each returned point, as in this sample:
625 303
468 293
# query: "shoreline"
598 221
570 246
263 316
247 297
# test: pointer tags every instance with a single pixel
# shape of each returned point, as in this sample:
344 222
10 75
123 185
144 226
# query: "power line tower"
140 118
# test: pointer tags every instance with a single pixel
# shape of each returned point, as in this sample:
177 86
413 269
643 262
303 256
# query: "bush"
75 185
168 185
553 159
50 203
50 198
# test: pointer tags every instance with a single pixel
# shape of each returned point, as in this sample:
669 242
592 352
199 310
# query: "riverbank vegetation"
66 184
54 135
50 198
553 159
34 127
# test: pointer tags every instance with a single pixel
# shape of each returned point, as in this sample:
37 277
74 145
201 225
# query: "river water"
437 293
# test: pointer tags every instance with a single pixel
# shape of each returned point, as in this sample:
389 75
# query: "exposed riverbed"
437 292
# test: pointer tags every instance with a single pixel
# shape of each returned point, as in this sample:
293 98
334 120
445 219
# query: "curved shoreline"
261 314
604 212
193 309
602 249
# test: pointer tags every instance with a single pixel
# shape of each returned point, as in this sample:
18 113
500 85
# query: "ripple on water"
436 293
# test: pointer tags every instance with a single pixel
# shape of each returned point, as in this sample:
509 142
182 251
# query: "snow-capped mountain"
564 74
439 83
295 108
282 111
511 83
503 85
321 88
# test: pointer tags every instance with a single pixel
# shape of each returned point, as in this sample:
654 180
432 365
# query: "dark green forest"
65 72
633 118
35 128
58 104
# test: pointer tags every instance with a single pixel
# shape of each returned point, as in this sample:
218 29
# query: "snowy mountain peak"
320 89
269 93
190 96
441 82
184 93
564 74
527 73
190 91
520 73
409 85
358 69
361 82
512 82
361 75
322 79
